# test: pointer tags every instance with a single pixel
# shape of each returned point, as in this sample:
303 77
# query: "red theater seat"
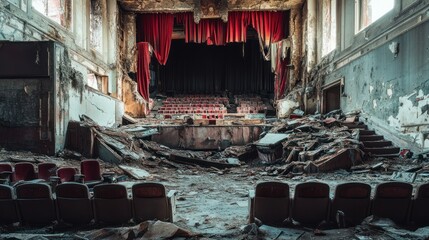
8 211
35 203
24 172
74 203
111 204
46 170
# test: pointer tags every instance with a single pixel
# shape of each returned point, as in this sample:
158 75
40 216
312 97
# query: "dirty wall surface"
393 90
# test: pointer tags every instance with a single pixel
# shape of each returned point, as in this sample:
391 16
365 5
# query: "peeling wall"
391 88
19 22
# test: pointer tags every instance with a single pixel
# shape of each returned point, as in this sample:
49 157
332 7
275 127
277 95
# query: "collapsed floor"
213 186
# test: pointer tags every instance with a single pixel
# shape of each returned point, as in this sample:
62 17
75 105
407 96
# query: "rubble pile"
314 144
306 144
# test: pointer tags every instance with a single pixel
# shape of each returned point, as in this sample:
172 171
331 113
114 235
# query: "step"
366 132
353 125
382 150
370 138
382 143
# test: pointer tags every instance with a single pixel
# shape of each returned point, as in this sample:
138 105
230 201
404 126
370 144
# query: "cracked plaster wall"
391 89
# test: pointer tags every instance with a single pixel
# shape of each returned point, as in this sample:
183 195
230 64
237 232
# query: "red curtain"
269 25
210 31
156 29
281 72
143 72
236 29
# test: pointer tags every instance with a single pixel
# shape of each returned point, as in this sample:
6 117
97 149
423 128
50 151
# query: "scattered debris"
136 173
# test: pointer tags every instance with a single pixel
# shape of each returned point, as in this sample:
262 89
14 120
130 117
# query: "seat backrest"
90 168
74 203
46 170
354 200
311 203
66 174
111 204
35 203
272 202
420 211
6 167
392 200
9 213
150 202
24 171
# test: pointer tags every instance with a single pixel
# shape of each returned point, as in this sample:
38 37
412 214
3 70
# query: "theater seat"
8 211
74 203
392 200
6 171
90 168
150 202
35 203
354 200
46 170
111 204
24 172
420 210
311 203
269 203
66 174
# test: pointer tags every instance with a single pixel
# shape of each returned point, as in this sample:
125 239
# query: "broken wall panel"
206 137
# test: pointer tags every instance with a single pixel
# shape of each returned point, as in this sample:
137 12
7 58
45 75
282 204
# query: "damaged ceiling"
190 5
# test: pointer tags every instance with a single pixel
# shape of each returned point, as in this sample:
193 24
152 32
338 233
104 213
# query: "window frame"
68 15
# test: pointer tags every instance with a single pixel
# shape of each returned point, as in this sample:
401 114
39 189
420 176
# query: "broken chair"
111 204
392 200
310 204
8 210
150 202
74 203
35 203
46 170
420 209
354 201
269 203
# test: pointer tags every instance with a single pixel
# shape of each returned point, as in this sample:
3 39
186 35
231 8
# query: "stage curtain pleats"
143 72
209 31
157 30
197 69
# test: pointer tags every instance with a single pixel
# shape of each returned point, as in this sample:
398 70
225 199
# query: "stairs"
374 145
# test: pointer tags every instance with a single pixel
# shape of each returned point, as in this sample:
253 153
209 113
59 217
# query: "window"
329 26
369 11
56 10
98 82
96 25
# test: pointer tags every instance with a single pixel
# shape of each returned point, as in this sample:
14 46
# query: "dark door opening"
331 98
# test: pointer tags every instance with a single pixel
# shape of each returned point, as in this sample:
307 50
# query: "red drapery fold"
156 29
269 25
281 72
210 31
236 29
143 72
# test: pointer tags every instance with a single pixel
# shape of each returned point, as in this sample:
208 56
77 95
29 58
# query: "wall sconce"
394 48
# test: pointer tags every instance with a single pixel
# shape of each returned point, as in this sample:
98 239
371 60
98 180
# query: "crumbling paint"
189 5
413 118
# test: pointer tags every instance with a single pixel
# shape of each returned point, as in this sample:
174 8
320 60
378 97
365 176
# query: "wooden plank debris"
136 173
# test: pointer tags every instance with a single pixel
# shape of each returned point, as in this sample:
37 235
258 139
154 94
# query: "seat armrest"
251 206
171 200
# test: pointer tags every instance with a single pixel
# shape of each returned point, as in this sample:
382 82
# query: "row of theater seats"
34 204
197 100
271 203
89 169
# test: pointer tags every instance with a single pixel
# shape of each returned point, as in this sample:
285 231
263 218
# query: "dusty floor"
211 202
